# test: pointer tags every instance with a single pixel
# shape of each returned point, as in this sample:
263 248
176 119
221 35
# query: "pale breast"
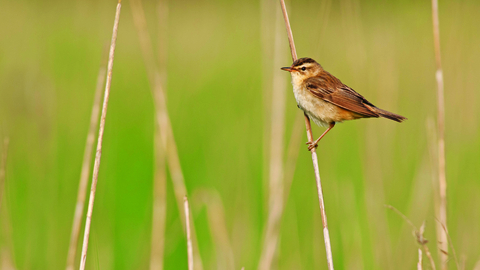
321 112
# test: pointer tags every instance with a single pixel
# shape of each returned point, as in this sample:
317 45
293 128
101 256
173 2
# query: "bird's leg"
311 145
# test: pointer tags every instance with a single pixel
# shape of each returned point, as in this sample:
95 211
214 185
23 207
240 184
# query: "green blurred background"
218 66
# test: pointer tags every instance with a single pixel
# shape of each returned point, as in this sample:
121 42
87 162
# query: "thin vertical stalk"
87 157
101 130
420 259
326 234
429 256
293 51
162 117
189 238
451 245
276 168
442 181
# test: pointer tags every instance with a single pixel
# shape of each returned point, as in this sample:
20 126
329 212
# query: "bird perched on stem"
326 100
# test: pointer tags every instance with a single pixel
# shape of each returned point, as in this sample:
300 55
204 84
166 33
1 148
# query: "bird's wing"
330 89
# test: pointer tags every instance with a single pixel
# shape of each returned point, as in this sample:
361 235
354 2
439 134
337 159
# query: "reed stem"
326 234
442 181
420 259
101 130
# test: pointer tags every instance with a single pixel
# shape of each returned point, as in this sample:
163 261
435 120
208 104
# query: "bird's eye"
304 68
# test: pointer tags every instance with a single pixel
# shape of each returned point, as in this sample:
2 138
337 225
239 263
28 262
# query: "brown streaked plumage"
326 100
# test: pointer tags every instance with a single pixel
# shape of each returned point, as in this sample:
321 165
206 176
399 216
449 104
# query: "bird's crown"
302 61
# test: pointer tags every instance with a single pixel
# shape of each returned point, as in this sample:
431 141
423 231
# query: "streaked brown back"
331 89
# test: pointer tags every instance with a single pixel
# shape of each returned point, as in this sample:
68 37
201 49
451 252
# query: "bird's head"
304 68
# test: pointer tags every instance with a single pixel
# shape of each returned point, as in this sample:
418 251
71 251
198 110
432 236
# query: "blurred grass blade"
217 225
160 174
276 166
162 117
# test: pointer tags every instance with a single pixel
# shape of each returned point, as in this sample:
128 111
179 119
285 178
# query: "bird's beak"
289 69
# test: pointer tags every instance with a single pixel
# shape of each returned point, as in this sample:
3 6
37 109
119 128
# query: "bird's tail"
389 115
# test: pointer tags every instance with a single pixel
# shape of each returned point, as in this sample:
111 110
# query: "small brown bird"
326 100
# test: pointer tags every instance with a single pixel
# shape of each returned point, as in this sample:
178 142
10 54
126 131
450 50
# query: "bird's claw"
311 145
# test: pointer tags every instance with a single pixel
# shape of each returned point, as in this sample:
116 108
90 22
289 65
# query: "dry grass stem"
162 117
420 258
418 233
276 173
451 244
402 216
3 167
87 157
442 181
429 256
98 155
422 241
189 238
326 234
291 43
430 128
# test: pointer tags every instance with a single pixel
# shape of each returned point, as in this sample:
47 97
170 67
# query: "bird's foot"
311 145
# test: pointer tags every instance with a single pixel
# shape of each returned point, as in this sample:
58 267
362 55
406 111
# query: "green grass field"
50 52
